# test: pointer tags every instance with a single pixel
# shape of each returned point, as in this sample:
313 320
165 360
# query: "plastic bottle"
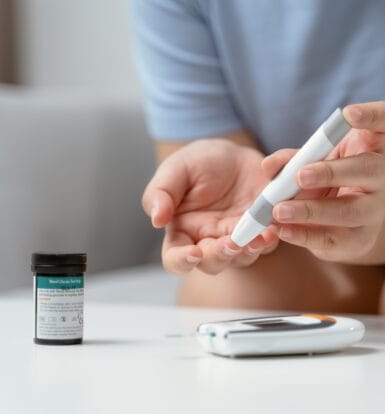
58 297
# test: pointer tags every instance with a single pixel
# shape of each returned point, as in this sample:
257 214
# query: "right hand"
198 194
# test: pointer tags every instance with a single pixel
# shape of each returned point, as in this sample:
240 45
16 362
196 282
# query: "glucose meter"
280 335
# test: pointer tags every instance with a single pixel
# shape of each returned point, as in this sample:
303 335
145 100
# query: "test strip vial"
58 286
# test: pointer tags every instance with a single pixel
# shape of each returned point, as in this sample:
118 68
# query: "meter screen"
294 322
277 324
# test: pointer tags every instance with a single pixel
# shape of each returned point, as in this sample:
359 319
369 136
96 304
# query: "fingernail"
154 210
356 113
230 252
252 250
307 177
286 233
193 259
285 212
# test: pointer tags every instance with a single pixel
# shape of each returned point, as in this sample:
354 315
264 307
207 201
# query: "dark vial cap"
59 263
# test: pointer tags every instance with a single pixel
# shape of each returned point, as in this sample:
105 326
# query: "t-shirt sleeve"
185 92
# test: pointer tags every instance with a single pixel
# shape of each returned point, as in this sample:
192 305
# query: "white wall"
76 43
74 153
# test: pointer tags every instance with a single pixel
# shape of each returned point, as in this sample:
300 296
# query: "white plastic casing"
285 185
246 229
219 338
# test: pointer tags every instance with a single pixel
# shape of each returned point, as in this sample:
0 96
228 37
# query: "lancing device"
284 186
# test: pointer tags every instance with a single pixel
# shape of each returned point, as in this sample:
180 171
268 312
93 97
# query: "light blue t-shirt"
275 67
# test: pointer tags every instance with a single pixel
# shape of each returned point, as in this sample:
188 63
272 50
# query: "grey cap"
261 211
336 127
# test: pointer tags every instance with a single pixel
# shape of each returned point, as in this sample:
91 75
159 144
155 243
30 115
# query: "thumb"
165 191
273 163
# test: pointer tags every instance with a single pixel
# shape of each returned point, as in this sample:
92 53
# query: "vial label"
59 307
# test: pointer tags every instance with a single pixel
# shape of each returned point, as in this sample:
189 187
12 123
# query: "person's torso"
290 63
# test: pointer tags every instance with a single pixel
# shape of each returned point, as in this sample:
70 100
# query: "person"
231 89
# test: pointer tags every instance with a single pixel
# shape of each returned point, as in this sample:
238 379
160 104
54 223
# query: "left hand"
339 214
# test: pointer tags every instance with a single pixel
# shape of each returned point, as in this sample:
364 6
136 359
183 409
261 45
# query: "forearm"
165 148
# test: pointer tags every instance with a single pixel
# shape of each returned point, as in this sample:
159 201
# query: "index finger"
370 115
166 190
365 170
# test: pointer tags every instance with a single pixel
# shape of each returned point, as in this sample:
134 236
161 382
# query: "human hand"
198 194
339 215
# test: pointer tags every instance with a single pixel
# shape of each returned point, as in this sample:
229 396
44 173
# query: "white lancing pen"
284 186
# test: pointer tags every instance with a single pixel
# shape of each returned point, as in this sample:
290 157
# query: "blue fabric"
275 67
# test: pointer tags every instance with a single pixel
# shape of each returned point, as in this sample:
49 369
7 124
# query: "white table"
126 365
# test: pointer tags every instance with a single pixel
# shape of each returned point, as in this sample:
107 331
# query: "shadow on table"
356 351
348 352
